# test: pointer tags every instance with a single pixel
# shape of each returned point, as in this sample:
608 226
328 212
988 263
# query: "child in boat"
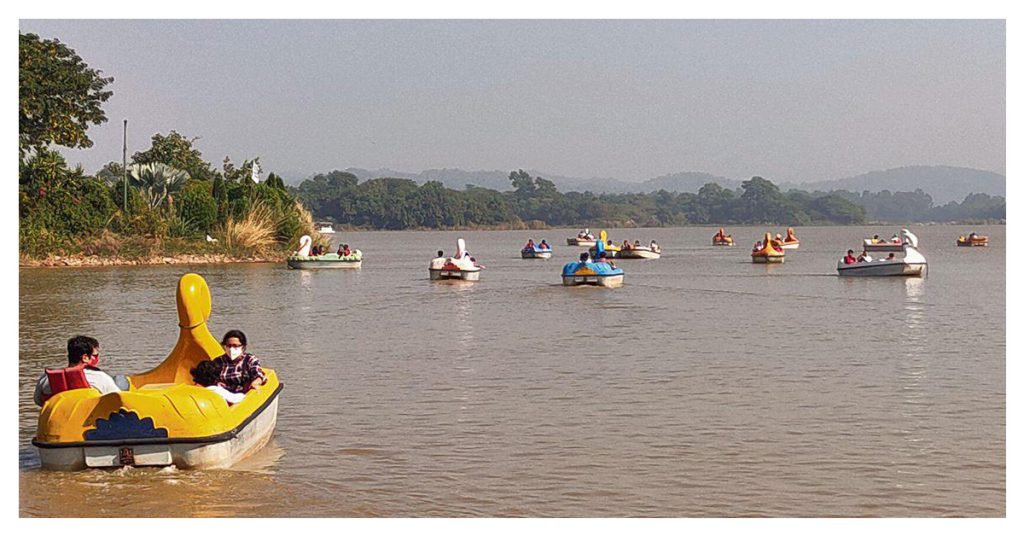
240 371
207 374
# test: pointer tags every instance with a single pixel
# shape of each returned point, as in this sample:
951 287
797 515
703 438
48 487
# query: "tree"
59 96
157 182
176 151
522 182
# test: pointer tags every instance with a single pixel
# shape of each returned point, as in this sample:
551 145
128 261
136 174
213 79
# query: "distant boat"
768 253
460 267
640 252
535 252
791 241
972 240
324 227
877 243
722 239
911 264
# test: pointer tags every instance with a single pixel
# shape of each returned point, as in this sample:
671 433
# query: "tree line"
391 203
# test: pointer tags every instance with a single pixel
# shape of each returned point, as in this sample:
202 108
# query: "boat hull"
219 451
595 280
881 269
454 275
536 254
580 242
791 245
639 254
768 259
970 243
721 243
322 265
884 247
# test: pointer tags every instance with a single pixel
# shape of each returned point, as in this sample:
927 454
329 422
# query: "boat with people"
972 240
636 251
790 241
592 272
912 263
765 252
583 239
536 251
610 249
462 266
162 418
722 239
307 257
879 244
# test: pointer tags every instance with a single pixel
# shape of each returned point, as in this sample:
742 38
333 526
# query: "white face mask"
234 353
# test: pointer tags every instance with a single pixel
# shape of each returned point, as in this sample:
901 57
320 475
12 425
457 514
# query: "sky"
789 100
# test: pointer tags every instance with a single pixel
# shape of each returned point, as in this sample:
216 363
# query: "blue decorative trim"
125 424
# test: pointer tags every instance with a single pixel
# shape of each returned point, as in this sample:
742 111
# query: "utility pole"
124 165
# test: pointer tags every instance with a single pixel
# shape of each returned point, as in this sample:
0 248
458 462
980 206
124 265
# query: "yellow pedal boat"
769 253
164 418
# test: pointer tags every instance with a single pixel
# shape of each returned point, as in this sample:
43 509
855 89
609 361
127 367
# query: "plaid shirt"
235 376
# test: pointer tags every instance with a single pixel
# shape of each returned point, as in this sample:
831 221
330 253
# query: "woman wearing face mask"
240 371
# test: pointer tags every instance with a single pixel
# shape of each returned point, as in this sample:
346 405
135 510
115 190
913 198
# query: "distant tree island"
394 203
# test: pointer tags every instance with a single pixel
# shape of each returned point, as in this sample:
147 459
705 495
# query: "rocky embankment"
96 260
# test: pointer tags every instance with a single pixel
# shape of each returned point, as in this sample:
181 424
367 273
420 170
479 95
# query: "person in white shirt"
85 352
438 262
207 374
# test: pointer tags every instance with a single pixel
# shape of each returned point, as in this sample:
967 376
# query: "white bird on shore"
210 238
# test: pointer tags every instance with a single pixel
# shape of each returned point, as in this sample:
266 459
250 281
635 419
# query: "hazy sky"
787 100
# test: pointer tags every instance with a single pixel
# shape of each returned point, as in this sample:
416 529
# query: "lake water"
705 386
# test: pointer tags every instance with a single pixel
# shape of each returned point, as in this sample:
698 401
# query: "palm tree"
157 181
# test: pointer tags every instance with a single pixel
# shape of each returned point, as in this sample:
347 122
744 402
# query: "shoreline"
79 260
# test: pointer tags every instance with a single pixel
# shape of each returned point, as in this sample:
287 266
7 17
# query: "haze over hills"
943 183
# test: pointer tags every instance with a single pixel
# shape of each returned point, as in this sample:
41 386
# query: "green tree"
59 95
177 151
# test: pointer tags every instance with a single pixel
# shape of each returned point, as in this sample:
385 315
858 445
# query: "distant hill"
943 183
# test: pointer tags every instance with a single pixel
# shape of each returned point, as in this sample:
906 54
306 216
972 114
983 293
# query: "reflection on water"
703 387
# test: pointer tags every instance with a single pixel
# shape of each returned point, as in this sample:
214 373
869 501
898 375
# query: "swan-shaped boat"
768 253
912 263
609 248
461 267
722 239
972 240
592 273
302 260
163 418
791 241
583 239
536 252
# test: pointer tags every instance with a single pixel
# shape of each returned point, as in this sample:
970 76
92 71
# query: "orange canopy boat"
791 241
721 239
972 240
768 253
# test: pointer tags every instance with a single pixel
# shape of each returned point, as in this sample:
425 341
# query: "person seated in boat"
240 371
758 246
655 247
626 245
877 240
530 244
849 258
544 245
864 257
603 258
720 235
636 244
207 374
345 252
891 257
777 241
438 262
895 238
584 257
972 236
83 352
